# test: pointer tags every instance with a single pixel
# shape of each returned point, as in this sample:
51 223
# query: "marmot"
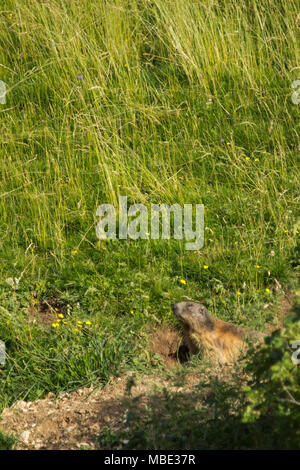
216 339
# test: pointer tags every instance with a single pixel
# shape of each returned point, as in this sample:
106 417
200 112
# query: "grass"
175 102
7 441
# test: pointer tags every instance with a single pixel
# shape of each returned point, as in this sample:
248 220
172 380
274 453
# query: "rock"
63 395
20 405
70 428
25 435
83 444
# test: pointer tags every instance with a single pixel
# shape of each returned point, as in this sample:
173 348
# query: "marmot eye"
190 305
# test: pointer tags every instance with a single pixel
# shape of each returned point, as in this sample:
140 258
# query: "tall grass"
137 122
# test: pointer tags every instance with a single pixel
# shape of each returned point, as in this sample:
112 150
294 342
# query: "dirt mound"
167 342
67 422
74 421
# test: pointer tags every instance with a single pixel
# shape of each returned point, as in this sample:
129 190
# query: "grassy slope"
165 86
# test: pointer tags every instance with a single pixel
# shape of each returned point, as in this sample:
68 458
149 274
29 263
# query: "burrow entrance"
167 342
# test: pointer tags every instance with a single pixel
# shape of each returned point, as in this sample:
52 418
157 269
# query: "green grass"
7 441
179 102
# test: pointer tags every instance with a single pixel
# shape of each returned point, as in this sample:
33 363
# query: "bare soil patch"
75 420
46 311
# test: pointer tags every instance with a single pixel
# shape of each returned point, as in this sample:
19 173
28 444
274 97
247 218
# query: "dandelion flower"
205 266
256 159
76 329
247 158
239 293
74 252
267 290
88 322
56 309
182 281
132 312
286 231
55 325
60 315
257 266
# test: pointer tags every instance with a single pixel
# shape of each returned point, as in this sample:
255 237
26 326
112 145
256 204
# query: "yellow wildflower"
205 266
60 315
182 281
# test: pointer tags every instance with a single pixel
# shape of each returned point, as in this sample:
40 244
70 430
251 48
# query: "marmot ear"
203 312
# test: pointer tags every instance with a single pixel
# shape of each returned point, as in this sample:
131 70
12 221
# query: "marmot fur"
216 339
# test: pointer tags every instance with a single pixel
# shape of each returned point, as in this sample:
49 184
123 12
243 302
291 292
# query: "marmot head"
193 316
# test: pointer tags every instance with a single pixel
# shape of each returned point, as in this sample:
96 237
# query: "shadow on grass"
206 416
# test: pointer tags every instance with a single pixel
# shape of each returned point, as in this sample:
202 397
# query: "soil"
46 311
74 421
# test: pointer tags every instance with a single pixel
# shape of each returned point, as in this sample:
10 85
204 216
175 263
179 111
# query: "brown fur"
216 339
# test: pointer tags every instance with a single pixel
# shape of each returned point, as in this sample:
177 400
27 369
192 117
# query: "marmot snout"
218 340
